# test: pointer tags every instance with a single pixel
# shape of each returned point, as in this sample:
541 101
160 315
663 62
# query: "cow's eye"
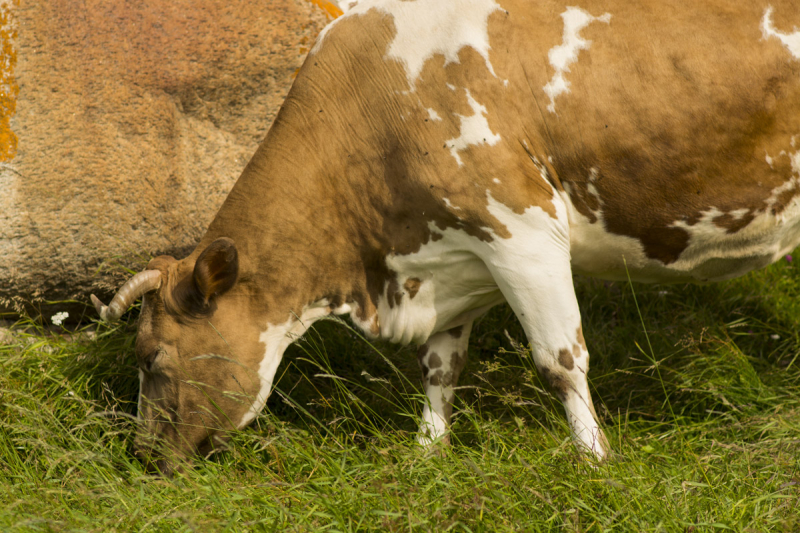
152 358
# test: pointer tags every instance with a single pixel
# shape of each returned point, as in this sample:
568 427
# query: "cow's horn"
139 284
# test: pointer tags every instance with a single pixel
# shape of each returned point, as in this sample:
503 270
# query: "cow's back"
668 129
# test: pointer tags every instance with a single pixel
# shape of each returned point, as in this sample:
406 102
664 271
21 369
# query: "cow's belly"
446 284
713 254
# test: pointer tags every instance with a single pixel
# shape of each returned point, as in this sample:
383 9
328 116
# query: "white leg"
537 282
441 360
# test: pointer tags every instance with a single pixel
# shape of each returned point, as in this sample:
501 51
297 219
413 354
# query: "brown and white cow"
436 158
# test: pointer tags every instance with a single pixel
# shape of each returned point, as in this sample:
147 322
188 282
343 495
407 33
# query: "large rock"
132 122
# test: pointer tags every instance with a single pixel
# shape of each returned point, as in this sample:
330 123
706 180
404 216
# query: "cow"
436 158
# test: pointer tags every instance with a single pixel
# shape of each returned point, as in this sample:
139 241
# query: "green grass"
702 410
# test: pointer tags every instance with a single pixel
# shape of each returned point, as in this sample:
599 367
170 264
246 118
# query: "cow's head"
196 350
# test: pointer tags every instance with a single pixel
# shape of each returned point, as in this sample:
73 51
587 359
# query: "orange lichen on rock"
8 84
331 9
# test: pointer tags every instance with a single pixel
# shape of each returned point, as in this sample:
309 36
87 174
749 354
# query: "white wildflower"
58 318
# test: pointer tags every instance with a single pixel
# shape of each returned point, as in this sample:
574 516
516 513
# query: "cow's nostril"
164 467
154 462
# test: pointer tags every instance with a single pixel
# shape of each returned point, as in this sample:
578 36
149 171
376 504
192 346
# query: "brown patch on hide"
565 359
733 224
447 379
422 351
393 294
412 285
557 382
457 361
581 340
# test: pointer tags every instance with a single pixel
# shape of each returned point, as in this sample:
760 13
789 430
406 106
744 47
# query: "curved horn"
139 284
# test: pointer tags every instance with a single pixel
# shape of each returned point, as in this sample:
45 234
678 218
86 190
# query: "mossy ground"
698 389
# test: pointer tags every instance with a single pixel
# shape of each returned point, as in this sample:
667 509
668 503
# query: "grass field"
699 393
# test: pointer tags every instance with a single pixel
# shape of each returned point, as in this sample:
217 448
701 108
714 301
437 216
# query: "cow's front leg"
441 360
537 283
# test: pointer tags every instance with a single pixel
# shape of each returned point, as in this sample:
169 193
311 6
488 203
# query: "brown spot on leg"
565 359
422 352
392 291
457 361
434 361
412 286
436 378
456 332
447 379
581 340
556 382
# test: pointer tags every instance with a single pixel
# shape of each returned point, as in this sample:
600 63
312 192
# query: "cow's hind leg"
441 360
537 283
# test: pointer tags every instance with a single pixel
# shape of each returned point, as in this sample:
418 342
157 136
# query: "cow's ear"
216 270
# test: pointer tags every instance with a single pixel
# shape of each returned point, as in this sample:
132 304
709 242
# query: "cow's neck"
283 214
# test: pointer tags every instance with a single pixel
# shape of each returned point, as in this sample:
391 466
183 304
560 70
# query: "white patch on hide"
474 130
276 338
563 55
585 430
368 325
790 40
433 115
432 425
449 205
455 287
424 28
